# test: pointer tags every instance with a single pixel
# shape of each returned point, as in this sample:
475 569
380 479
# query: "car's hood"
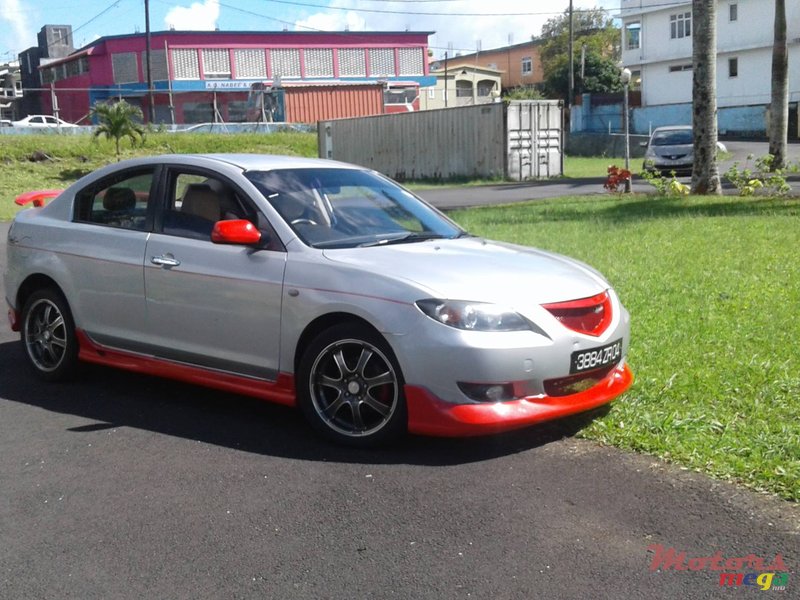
478 270
670 151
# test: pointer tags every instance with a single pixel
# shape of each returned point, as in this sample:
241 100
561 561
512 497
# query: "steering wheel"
303 222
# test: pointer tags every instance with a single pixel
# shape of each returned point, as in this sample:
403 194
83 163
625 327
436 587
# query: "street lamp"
625 75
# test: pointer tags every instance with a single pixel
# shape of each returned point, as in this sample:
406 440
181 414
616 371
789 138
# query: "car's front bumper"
429 415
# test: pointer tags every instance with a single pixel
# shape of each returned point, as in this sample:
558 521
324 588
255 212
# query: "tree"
601 76
118 120
595 31
705 173
779 107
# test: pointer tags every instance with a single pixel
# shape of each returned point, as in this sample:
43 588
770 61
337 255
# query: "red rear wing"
36 197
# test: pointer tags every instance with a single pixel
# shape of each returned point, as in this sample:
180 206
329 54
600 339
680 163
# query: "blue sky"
460 24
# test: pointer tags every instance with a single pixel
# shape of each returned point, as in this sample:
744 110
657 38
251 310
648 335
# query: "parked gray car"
312 283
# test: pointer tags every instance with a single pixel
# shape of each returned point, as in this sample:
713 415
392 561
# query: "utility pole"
445 79
150 96
571 91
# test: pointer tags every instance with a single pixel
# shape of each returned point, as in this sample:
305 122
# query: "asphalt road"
124 486
507 193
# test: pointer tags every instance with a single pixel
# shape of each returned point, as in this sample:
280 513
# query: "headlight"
473 316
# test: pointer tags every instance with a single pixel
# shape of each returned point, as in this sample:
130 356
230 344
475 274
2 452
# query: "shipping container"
312 103
519 140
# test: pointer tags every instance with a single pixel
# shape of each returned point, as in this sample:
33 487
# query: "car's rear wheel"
48 333
350 387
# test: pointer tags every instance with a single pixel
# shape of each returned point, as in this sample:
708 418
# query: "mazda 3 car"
314 284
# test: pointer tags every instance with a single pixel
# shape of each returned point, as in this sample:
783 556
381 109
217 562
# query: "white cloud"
463 32
20 36
333 21
197 17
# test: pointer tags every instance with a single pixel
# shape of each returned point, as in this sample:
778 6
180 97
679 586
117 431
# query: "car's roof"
673 128
250 162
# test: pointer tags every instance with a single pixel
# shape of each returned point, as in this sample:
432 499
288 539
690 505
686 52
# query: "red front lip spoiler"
429 415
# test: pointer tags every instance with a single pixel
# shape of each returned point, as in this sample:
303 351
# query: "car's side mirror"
643 144
236 231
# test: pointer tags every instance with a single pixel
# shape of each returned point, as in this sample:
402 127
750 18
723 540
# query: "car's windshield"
675 137
345 208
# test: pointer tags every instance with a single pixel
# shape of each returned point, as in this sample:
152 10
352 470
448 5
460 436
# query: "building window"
633 36
411 61
125 67
485 88
527 65
185 63
237 111
733 67
159 70
60 36
733 12
432 93
319 62
352 62
216 63
463 89
198 112
285 63
381 62
680 25
250 64
679 68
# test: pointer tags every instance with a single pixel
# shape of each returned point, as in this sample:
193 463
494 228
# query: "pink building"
210 75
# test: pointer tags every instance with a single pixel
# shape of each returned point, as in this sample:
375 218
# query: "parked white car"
41 121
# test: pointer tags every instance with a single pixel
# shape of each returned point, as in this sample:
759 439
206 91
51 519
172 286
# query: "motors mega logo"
750 570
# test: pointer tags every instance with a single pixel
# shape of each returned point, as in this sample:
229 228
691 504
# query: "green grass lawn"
713 288
595 166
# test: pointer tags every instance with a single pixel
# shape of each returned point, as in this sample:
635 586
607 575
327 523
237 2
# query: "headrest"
199 199
119 199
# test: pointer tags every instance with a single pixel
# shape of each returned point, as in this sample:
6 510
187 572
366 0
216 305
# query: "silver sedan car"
315 284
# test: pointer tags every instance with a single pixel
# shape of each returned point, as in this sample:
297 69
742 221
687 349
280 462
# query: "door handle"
165 261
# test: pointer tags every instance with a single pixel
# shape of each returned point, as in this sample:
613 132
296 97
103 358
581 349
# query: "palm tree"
118 120
779 108
705 173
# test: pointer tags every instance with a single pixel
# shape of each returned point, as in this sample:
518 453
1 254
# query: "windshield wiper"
406 238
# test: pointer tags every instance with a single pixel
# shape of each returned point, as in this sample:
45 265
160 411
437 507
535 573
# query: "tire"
48 334
350 387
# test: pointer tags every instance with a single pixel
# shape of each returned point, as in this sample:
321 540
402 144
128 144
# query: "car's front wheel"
48 333
350 387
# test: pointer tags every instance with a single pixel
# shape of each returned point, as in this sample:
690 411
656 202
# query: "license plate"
594 358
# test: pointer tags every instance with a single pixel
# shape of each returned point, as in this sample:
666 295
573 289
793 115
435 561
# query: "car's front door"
212 305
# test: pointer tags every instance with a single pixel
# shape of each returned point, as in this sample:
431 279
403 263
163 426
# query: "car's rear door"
112 220
212 305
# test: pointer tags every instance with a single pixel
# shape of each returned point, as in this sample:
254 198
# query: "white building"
461 85
657 48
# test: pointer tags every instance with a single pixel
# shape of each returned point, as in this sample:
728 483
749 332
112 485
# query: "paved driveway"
505 193
124 486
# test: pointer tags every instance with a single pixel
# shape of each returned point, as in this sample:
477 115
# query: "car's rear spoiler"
36 197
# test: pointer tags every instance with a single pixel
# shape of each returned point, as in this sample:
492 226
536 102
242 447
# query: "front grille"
580 382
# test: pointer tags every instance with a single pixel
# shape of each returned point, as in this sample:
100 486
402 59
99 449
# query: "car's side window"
195 202
119 201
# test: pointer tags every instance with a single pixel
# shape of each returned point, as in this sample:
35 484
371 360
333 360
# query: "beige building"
461 85
520 64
